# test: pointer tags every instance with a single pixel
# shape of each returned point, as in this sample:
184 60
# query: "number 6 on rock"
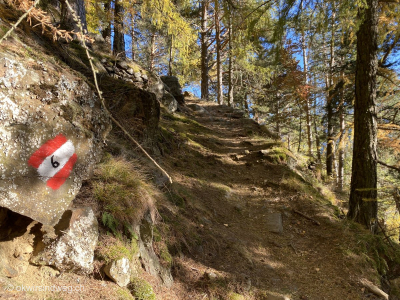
54 161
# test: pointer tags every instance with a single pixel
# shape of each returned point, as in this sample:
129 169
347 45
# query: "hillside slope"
245 213
238 222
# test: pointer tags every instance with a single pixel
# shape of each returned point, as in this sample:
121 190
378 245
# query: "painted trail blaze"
54 161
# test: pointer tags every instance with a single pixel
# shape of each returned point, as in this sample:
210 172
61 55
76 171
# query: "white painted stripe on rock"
55 162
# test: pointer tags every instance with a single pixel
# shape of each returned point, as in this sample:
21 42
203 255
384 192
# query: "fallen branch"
307 217
388 166
101 96
19 21
374 289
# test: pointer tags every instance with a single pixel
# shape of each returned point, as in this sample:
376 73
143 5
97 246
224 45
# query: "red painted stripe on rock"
47 149
58 180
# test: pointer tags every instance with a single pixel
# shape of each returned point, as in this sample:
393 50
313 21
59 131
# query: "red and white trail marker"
54 161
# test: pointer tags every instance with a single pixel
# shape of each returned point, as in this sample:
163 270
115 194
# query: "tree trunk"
220 96
245 104
341 150
66 17
330 148
152 55
307 100
277 117
317 141
133 36
298 148
204 50
170 56
119 40
342 129
363 205
230 71
106 32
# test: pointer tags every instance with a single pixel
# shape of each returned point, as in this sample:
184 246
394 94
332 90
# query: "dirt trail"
231 195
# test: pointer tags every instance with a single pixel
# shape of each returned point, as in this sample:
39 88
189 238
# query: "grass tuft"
124 194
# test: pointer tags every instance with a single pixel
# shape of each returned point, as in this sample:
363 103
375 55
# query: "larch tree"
218 50
204 34
363 205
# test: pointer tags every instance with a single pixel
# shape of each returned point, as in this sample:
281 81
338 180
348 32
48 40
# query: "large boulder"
175 88
52 133
161 91
136 109
73 249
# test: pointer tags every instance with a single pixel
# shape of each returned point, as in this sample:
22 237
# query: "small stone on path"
274 222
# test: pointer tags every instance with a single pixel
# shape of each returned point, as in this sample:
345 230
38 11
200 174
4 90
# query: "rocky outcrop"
148 257
135 108
175 88
73 249
52 133
169 102
130 72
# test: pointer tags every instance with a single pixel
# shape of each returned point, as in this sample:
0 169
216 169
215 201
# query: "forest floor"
233 202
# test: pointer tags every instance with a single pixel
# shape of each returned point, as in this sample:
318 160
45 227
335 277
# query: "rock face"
119 271
148 257
73 249
174 87
135 108
39 102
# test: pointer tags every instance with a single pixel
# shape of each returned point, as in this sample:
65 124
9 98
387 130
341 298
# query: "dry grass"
110 248
125 193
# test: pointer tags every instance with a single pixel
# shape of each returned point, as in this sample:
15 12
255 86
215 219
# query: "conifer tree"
363 206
